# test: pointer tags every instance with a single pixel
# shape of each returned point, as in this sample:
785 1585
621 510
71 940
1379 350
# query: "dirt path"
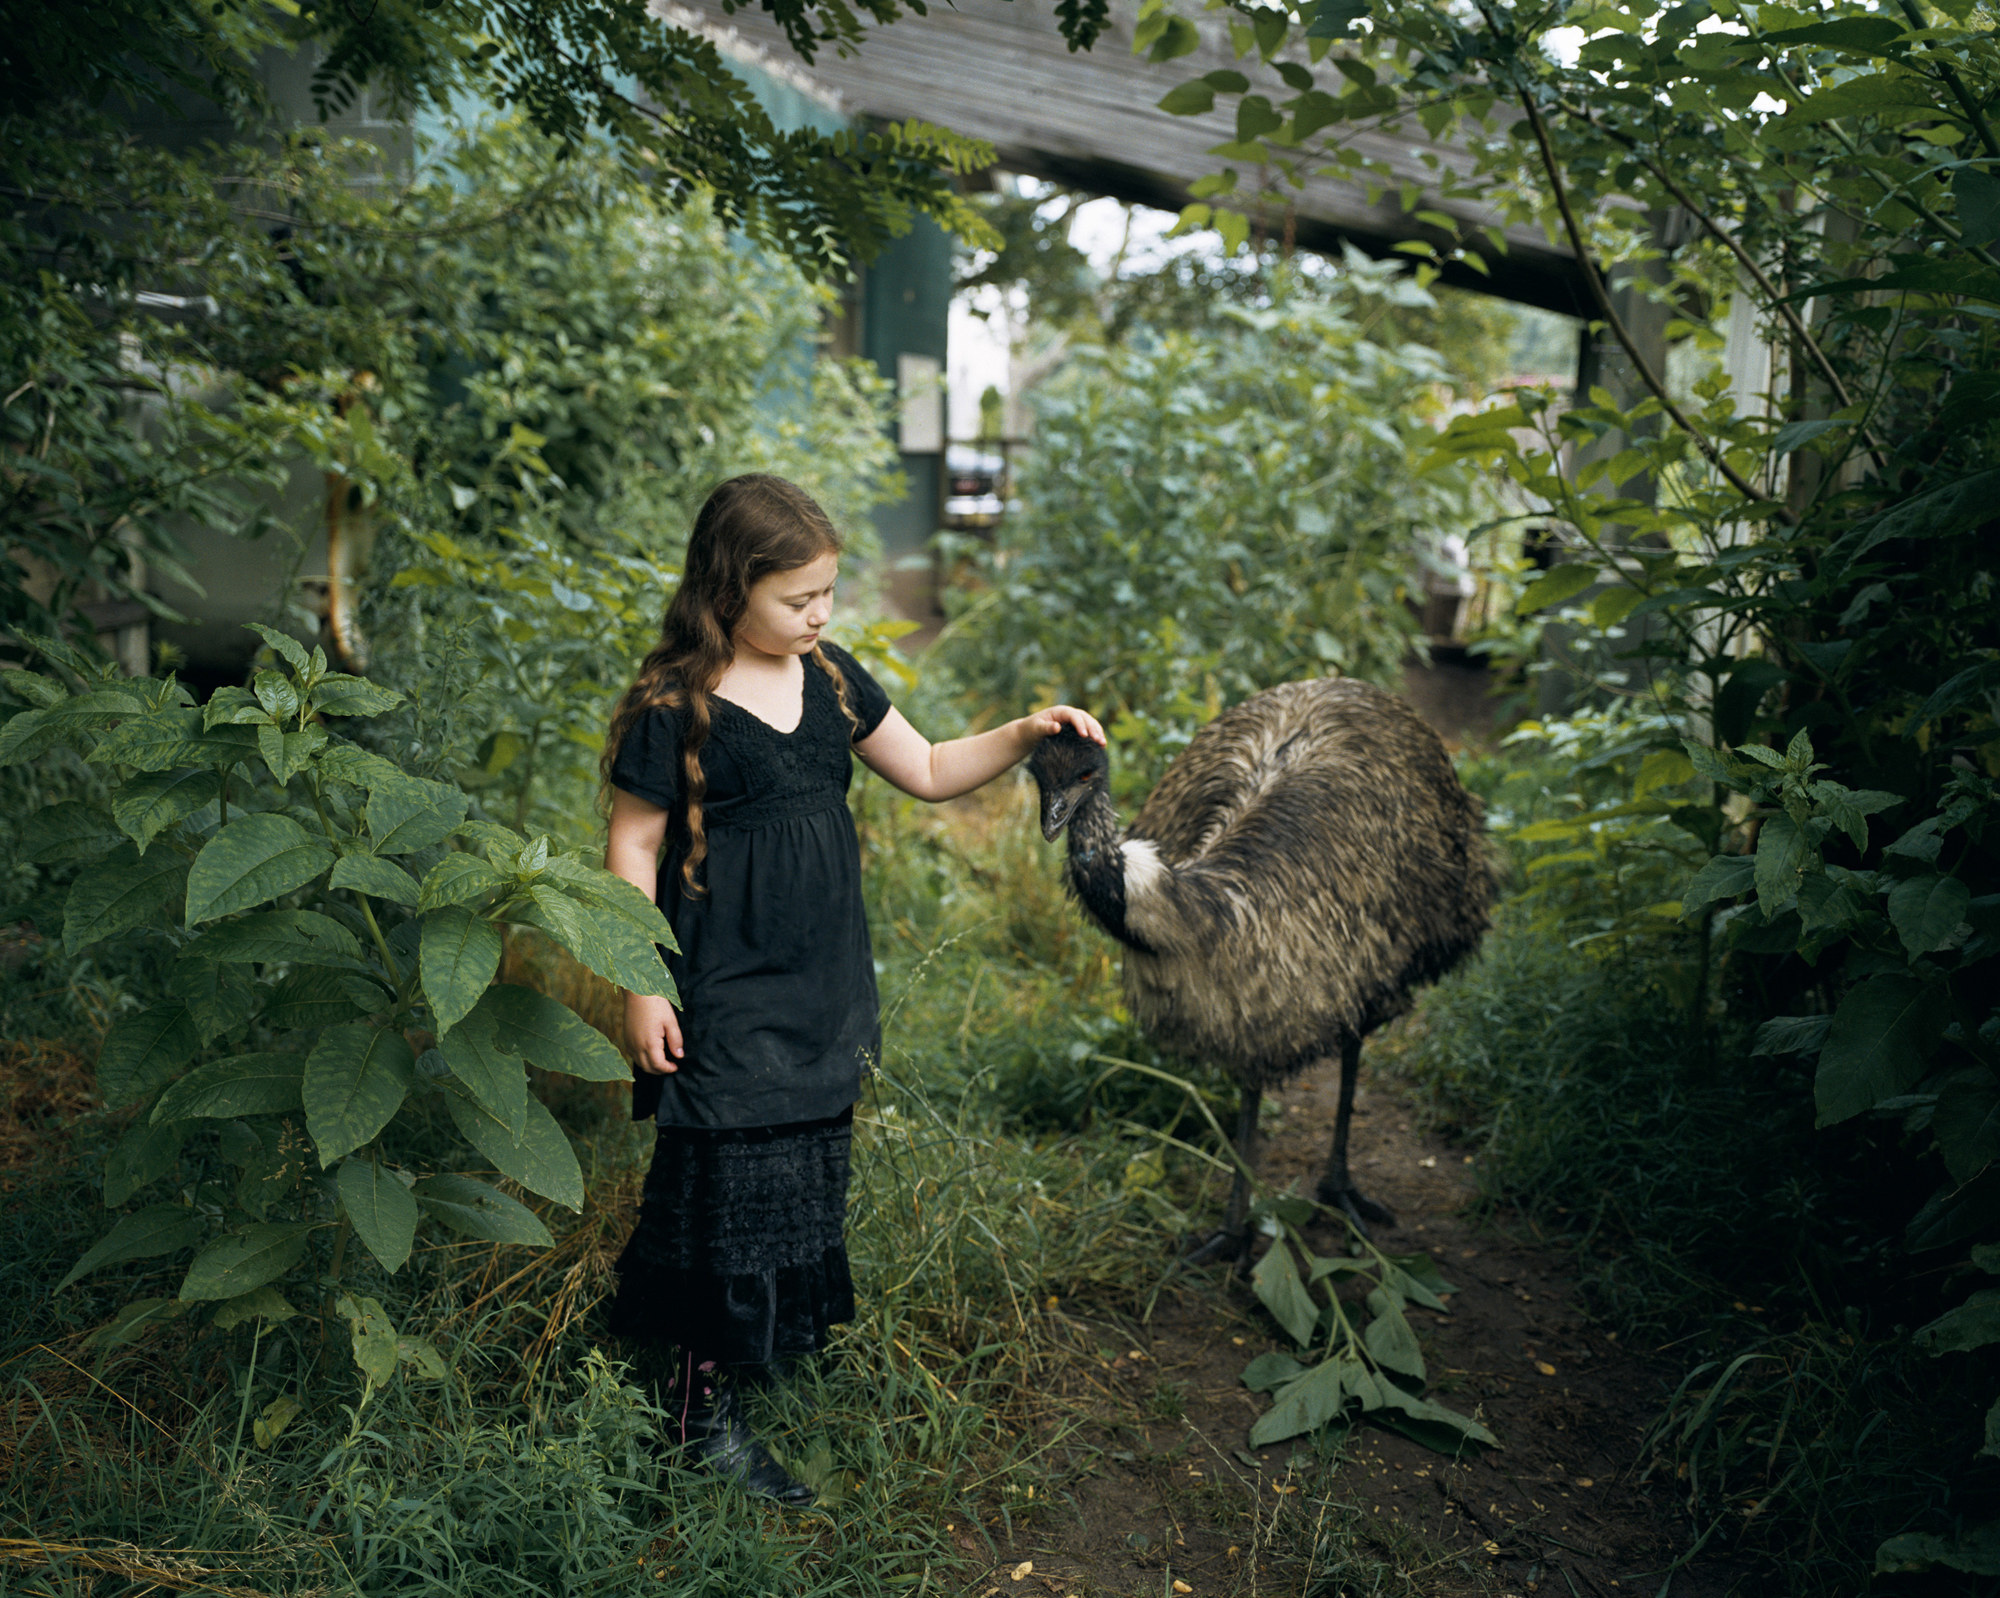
1155 1492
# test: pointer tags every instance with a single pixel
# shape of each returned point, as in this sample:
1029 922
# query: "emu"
1306 863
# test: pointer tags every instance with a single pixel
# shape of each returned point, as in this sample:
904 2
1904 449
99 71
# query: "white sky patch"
978 357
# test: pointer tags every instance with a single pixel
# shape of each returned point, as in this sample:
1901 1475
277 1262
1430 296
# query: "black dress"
739 1252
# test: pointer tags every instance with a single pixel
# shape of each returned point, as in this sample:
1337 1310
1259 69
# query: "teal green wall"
906 310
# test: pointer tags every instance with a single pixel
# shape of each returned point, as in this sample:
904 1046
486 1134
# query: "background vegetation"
1734 1034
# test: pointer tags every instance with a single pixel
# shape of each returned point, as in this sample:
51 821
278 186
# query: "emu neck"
1097 865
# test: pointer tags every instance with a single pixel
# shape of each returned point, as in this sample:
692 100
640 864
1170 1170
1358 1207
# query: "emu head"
1068 768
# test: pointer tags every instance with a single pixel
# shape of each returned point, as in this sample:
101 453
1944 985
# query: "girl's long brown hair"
750 527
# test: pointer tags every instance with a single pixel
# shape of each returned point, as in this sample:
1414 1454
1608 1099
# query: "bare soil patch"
1155 1492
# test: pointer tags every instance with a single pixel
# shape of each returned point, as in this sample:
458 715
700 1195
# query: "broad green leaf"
279 937
243 1084
143 1235
1554 586
1662 768
67 830
374 1337
250 862
139 1159
413 814
1417 1278
289 753
382 1210
498 1081
356 1079
1189 99
35 732
1271 1370
166 739
273 1418
455 879
286 646
541 1160
145 1050
307 1000
1792 1034
1381 1394
606 891
147 805
1307 1403
604 941
381 879
1849 810
260 1303
1724 877
274 691
1784 855
1966 1124
1878 1046
1973 1324
1864 35
338 694
220 997
1975 1551
1926 911
416 1351
232 1266
472 1209
343 762
458 954
132 1320
1276 1281
121 893
1389 1338
546 1033
233 705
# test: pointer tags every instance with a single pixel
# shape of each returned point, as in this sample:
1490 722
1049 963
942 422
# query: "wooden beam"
998 70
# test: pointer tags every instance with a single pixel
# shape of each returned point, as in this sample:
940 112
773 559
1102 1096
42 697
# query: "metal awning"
998 70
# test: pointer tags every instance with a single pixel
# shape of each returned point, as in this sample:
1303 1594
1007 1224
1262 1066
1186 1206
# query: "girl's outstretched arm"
652 1030
898 752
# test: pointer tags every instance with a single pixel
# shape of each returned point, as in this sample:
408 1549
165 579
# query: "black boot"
706 1414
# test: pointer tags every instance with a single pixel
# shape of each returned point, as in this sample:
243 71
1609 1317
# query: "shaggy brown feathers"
1308 862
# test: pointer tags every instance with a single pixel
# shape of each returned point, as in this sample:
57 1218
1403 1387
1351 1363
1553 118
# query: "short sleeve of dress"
864 694
649 760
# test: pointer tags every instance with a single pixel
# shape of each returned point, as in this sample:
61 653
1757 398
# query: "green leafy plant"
334 926
1252 515
1373 1370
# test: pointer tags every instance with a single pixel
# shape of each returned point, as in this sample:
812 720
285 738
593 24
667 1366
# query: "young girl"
730 752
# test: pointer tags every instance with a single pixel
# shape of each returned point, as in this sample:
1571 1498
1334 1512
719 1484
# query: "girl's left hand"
1042 724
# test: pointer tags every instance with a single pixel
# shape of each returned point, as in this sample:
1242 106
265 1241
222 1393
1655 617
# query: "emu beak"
1056 808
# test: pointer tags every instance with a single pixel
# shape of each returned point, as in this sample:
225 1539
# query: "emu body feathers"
1308 862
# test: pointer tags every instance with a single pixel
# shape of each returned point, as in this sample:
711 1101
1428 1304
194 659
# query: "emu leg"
1337 1187
1233 1241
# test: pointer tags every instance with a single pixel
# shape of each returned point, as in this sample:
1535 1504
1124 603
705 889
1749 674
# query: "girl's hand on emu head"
1047 723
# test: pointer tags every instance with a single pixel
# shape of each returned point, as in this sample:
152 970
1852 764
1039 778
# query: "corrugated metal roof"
998 70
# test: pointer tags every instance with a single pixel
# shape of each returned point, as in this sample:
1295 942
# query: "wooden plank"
998 70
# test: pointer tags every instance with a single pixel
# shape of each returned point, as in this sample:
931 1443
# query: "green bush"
1204 517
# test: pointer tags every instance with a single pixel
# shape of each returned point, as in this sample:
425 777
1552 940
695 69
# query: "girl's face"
785 611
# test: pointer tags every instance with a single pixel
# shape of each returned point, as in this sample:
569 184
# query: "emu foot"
1359 1207
1233 1247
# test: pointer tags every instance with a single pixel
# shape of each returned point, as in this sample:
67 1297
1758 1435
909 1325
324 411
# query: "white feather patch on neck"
1145 871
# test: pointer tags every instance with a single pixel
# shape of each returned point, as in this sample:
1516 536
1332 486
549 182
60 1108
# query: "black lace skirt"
740 1253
